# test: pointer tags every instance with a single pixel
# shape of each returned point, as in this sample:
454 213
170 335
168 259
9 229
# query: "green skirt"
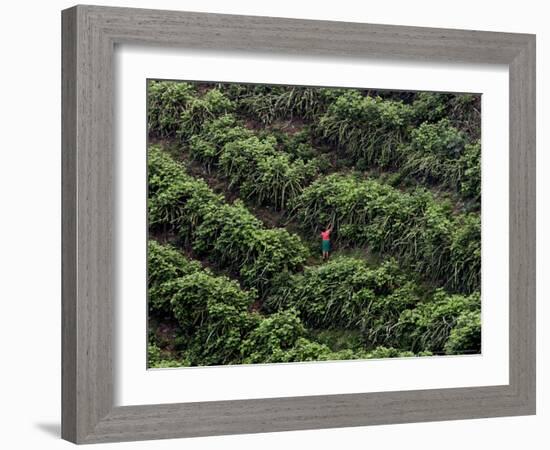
326 246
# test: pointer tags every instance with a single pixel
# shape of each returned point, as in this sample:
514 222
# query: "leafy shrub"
260 170
430 324
213 313
272 338
465 337
239 158
367 128
427 138
166 101
270 103
430 107
263 173
387 352
470 184
165 263
299 145
200 109
153 355
231 235
462 110
346 293
175 199
207 146
465 251
158 359
379 320
307 350
434 153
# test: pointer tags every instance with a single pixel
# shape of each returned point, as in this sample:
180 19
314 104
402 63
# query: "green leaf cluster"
449 323
369 129
252 164
166 101
440 154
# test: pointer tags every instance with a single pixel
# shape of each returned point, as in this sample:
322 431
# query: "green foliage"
271 143
271 340
346 293
153 355
207 146
297 145
239 157
166 101
462 110
470 183
465 337
213 313
430 107
254 165
175 199
439 153
269 103
337 338
430 324
434 152
165 263
200 109
216 326
387 352
262 173
419 230
231 235
465 251
228 234
159 359
370 129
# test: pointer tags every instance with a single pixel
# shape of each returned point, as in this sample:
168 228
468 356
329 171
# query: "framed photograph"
279 224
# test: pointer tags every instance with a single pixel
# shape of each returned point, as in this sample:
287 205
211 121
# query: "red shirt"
325 235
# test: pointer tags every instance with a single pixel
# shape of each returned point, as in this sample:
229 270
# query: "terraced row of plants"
435 138
227 234
215 324
423 233
416 228
388 306
253 164
345 293
277 307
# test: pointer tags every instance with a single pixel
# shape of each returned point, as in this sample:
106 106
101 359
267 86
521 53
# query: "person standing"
325 245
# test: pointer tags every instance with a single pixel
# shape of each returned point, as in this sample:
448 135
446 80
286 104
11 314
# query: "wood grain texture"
523 224
89 36
68 226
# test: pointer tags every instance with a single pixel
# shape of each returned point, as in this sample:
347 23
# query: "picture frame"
89 37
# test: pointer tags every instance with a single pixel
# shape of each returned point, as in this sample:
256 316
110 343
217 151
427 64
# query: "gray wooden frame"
89 36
